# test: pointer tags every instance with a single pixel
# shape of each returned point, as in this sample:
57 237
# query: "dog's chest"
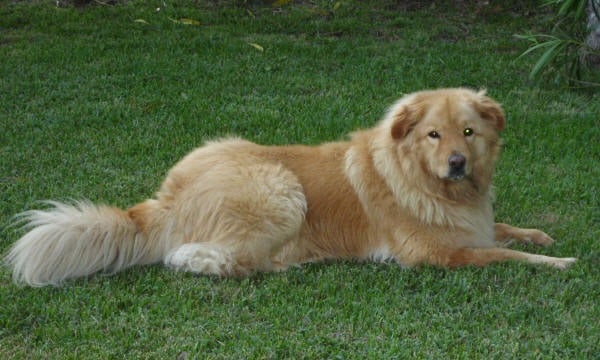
476 228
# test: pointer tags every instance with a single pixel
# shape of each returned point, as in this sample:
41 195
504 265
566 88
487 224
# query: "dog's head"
451 134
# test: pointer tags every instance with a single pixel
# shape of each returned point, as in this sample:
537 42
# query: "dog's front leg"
484 256
504 233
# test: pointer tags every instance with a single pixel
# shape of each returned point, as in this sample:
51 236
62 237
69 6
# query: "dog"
415 189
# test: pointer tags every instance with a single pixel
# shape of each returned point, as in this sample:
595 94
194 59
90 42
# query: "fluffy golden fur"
415 189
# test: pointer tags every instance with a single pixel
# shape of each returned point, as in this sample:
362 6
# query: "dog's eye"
468 132
434 134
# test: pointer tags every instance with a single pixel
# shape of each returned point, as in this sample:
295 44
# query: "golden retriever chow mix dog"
415 189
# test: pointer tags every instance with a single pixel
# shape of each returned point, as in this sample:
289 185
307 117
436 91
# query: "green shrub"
567 56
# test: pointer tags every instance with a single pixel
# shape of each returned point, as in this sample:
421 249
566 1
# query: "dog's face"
453 133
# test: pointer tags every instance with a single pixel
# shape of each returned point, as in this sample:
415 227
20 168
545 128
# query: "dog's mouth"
456 176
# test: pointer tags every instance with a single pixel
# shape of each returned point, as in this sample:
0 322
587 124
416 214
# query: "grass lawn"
99 101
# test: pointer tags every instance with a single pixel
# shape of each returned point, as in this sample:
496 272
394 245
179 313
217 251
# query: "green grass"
96 105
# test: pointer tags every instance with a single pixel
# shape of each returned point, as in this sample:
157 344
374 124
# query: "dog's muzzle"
456 164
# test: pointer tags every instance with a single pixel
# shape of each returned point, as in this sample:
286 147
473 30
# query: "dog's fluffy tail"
75 240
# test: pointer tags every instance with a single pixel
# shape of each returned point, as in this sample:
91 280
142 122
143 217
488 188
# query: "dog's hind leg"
235 218
210 259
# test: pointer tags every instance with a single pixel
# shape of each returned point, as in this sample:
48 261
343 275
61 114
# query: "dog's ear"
403 123
490 111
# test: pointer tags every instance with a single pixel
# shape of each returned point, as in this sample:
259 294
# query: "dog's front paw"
563 263
538 237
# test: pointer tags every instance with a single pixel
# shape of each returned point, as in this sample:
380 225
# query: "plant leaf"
579 12
257 47
554 47
565 7
141 21
537 44
186 21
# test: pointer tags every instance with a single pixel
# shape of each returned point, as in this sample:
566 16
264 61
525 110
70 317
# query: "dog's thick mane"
422 200
447 205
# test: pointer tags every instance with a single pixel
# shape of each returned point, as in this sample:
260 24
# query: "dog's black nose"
457 161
